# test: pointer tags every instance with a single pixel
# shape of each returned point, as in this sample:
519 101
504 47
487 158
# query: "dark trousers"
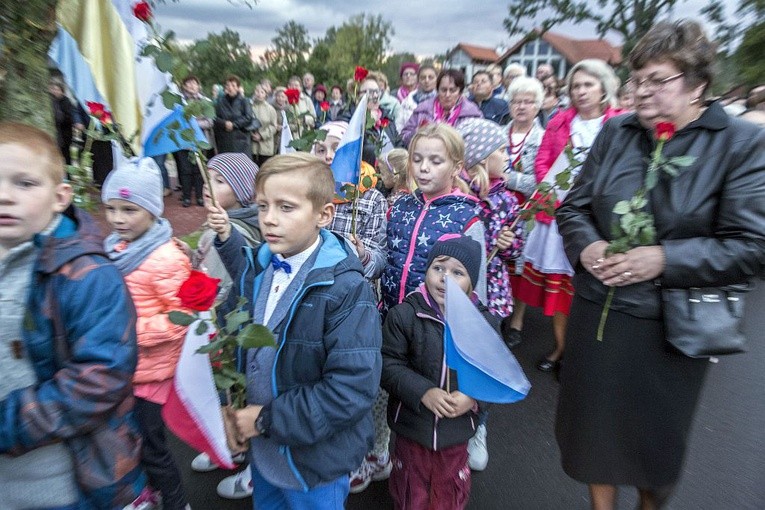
188 175
423 479
259 159
156 458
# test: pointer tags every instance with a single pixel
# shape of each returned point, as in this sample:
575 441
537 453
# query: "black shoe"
548 365
186 202
200 202
513 338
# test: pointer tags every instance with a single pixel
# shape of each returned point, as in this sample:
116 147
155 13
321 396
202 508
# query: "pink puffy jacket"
153 287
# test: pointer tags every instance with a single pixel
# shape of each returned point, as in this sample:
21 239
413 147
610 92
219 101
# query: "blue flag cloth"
166 138
346 166
486 369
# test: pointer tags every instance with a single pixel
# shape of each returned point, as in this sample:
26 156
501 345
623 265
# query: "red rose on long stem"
360 73
293 96
664 131
199 291
324 106
142 11
97 110
384 122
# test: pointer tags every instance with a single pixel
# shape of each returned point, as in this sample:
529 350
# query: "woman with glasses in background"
546 281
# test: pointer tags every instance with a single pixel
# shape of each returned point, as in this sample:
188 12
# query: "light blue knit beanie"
137 181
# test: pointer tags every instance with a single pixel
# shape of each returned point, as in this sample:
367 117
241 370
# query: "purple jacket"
423 114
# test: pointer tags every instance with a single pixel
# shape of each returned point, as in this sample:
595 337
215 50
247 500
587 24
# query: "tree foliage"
219 55
730 31
362 40
289 53
748 55
629 18
27 28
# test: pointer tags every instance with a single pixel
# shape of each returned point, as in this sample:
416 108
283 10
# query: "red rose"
384 122
97 110
142 11
360 73
664 131
106 118
293 96
324 106
199 291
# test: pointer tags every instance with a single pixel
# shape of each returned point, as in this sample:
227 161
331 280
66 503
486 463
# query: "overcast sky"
424 27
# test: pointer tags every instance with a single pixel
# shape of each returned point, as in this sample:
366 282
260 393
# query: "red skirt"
552 293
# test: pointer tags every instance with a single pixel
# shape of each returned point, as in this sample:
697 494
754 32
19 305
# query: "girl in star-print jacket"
441 205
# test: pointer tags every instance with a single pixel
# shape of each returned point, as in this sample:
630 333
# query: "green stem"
88 138
604 314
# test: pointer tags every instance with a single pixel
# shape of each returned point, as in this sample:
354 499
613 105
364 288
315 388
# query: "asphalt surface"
724 469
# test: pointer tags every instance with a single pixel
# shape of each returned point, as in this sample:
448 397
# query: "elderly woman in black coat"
627 401
233 119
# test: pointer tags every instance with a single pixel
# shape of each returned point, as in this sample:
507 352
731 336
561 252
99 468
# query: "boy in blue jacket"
309 412
67 343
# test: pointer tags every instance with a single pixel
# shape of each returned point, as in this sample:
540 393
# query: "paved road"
725 468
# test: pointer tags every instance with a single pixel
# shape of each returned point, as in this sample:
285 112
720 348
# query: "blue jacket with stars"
414 226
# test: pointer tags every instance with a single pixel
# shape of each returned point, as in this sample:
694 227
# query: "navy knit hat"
239 172
463 248
137 181
482 137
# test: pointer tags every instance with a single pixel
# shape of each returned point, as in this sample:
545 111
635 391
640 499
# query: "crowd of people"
354 289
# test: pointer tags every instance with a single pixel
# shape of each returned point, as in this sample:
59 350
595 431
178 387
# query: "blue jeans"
330 496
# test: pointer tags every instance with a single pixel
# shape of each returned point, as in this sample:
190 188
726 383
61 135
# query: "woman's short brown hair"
682 42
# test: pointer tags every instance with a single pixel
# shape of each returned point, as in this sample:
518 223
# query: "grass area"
192 239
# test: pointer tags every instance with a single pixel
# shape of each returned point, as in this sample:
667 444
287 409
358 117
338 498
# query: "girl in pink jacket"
154 268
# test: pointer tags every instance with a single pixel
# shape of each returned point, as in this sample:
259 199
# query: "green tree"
362 40
629 18
219 55
749 13
289 54
27 28
748 55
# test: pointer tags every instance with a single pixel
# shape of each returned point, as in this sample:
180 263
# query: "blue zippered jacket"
327 368
84 393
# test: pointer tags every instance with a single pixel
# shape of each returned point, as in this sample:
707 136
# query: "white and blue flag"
486 369
346 166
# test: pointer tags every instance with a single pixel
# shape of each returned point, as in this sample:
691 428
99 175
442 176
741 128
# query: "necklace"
515 148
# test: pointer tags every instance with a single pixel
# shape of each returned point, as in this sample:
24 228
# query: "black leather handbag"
703 322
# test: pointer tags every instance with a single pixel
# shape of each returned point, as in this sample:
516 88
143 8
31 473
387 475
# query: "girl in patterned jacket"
440 205
154 268
485 162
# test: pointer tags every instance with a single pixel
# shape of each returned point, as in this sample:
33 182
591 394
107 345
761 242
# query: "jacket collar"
76 235
713 118
334 258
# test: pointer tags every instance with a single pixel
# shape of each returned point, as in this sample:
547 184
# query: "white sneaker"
236 486
202 463
372 469
478 453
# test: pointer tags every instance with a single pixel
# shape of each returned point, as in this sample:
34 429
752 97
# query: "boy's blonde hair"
452 140
40 143
304 166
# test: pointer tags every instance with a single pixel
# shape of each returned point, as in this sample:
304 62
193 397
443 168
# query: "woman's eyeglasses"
652 83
